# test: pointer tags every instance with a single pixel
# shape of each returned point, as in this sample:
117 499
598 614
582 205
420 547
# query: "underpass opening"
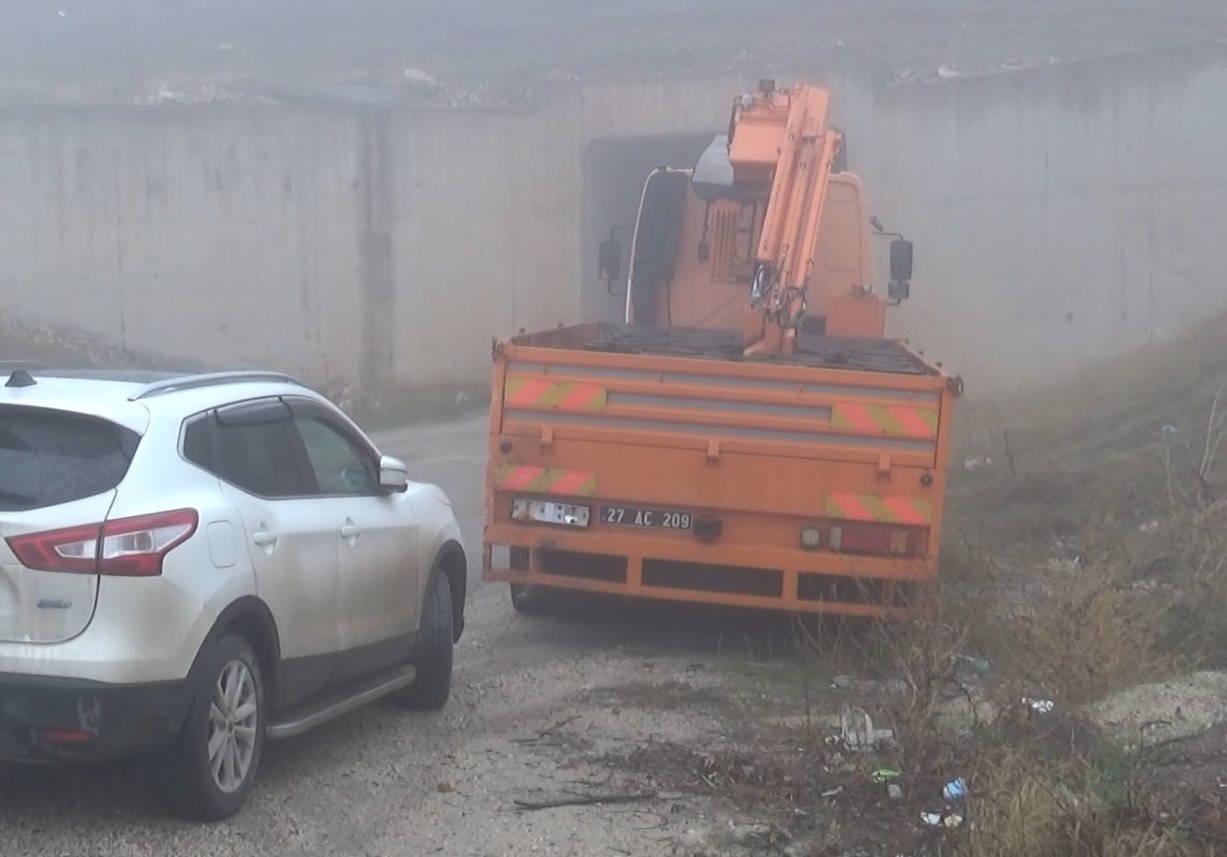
614 171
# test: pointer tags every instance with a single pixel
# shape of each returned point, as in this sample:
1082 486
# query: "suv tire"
211 767
432 653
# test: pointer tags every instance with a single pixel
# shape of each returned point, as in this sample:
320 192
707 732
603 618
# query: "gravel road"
538 703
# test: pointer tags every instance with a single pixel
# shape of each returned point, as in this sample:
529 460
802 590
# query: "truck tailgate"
847 443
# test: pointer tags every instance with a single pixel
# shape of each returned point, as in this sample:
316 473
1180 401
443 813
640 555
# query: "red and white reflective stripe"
544 480
912 511
886 420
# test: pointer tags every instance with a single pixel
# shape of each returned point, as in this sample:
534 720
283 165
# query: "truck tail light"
876 540
126 547
67 736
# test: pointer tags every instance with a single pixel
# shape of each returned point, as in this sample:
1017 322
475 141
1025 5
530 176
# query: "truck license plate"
655 519
545 512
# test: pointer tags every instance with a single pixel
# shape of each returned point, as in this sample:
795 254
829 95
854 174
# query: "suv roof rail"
210 379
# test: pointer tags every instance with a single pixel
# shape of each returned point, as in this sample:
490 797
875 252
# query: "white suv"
191 563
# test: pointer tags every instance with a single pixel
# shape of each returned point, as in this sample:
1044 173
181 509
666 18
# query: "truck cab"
698 239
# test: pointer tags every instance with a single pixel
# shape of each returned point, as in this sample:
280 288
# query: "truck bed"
814 351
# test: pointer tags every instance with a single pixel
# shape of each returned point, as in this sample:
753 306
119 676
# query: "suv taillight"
127 547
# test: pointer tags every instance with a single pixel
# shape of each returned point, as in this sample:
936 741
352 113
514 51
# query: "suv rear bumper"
61 720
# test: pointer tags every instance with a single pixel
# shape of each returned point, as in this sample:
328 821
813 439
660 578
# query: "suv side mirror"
393 475
610 260
900 260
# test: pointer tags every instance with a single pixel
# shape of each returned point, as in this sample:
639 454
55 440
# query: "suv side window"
256 456
341 466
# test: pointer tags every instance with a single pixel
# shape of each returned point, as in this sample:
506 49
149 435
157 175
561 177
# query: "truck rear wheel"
525 598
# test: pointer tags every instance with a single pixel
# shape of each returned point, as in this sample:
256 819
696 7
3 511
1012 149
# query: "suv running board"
333 707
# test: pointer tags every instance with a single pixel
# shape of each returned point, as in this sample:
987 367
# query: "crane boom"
781 140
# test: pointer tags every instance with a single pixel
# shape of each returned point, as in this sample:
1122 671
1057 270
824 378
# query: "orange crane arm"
780 143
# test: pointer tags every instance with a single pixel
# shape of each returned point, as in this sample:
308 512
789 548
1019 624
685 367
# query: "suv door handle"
350 531
264 538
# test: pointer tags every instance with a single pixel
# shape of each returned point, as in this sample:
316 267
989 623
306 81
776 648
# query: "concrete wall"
1060 216
383 248
220 235
485 236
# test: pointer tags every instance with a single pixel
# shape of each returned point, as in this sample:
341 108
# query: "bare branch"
584 800
1214 435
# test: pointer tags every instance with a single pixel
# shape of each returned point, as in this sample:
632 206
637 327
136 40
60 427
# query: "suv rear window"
50 457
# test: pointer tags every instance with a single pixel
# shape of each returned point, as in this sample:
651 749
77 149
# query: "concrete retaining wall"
381 248
1060 216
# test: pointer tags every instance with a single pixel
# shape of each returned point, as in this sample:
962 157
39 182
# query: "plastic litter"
937 819
968 666
955 790
1040 706
894 791
882 775
1170 430
835 792
857 732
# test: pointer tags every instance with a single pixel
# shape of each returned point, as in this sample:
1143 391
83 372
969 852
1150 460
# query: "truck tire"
208 772
432 653
526 598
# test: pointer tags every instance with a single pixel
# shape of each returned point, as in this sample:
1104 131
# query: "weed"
1215 429
1090 634
1024 806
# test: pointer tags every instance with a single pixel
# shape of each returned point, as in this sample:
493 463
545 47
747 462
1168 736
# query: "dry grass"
1116 446
395 405
1186 561
1025 807
47 346
1101 518
1089 634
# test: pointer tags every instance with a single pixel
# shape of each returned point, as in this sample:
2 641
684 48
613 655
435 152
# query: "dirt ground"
705 734
131 49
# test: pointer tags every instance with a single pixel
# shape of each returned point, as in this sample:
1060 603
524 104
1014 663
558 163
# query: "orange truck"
748 436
